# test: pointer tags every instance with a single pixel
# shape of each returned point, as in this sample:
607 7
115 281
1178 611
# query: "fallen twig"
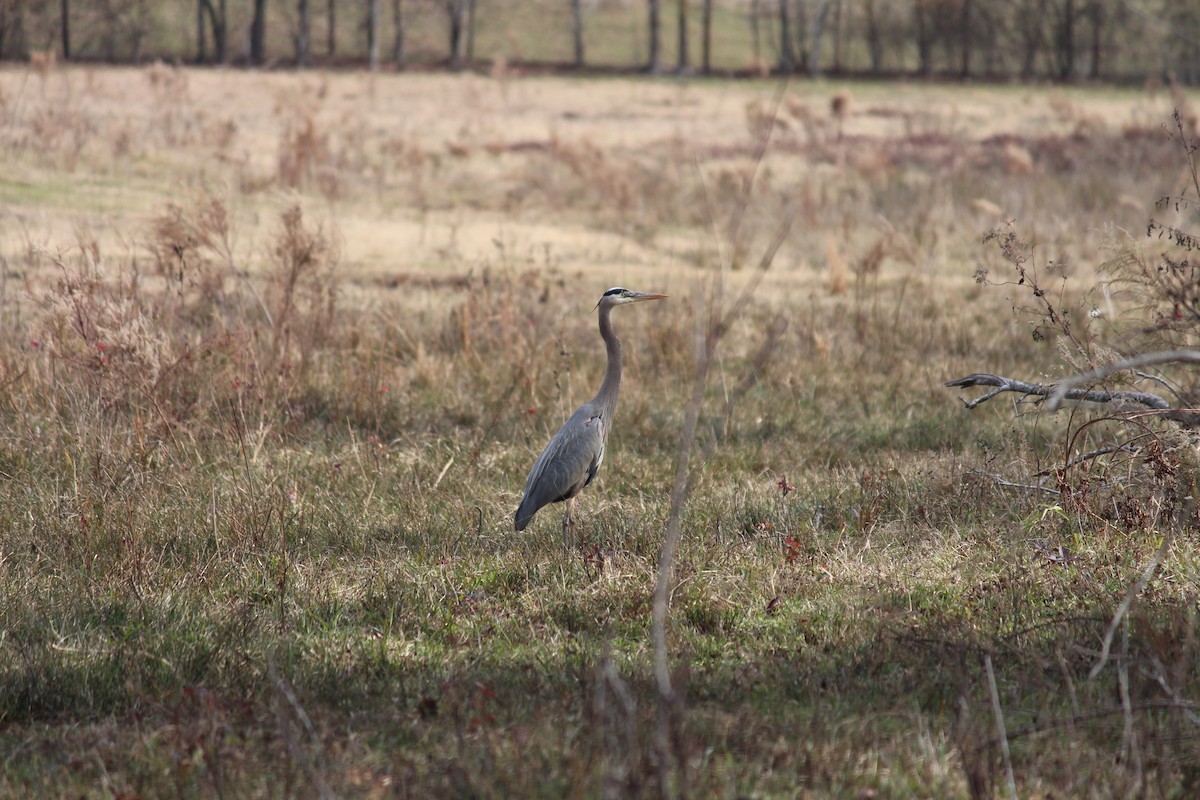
1000 481
1079 459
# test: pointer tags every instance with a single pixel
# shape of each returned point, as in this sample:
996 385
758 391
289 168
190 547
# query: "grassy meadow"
278 349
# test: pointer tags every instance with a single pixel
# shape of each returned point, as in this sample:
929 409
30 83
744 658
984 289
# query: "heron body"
573 456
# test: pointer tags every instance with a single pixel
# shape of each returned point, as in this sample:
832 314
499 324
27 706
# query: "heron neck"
607 396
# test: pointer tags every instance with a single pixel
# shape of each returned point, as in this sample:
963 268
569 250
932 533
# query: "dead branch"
1063 390
1001 384
1071 389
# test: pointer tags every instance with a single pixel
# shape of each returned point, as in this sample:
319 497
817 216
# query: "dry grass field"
278 349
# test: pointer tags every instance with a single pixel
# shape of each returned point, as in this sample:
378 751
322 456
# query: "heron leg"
567 524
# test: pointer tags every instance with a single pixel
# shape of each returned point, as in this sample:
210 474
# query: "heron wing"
568 463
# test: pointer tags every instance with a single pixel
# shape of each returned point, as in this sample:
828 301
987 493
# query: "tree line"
1062 40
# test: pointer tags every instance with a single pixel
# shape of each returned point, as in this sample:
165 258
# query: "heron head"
618 296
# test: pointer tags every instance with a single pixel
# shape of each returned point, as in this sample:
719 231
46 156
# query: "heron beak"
634 297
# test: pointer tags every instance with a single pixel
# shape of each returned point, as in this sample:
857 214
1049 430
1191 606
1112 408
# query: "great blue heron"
573 456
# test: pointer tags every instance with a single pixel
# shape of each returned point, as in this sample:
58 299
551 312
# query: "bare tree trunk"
220 23
577 31
1097 37
258 32
455 33
65 11
1031 15
755 30
373 34
399 53
706 17
682 64
965 33
330 28
303 33
110 38
800 39
787 61
837 36
200 45
457 12
924 37
989 22
654 62
469 24
1065 40
813 52
138 31
874 38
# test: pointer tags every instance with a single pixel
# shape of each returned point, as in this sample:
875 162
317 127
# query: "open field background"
277 350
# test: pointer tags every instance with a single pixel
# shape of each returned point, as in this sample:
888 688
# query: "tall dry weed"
193 251
305 156
173 351
316 152
838 269
635 192
59 133
176 121
43 63
301 291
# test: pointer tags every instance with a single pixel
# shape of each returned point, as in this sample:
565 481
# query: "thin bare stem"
719 322
1130 596
991 675
285 702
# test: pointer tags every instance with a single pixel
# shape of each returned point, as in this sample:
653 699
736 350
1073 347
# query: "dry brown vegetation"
277 350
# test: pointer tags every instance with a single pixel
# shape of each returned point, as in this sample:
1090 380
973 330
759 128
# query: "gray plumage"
572 458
